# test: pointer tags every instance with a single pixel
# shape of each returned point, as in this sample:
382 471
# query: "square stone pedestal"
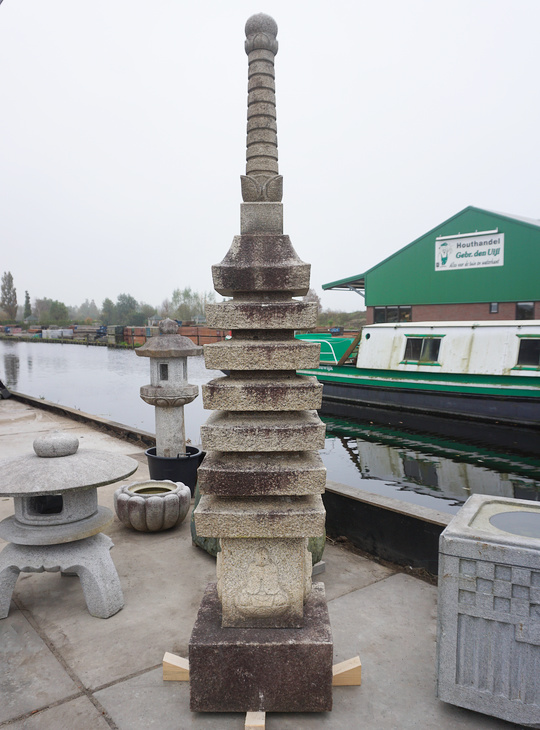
489 609
270 670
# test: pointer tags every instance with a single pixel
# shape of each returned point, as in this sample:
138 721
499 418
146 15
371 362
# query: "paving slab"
392 626
147 701
77 714
345 572
30 675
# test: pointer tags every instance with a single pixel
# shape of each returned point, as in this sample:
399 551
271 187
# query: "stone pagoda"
262 478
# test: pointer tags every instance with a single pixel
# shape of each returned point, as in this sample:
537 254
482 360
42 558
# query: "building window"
424 350
529 353
525 310
392 314
494 308
379 315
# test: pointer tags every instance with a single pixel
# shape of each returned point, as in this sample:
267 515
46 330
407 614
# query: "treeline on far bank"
184 305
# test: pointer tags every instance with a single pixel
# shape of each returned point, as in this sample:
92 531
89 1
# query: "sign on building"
468 251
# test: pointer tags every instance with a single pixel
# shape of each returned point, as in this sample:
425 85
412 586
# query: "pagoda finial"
261 183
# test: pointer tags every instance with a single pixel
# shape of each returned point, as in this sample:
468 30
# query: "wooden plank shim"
347 673
175 668
255 721
350 349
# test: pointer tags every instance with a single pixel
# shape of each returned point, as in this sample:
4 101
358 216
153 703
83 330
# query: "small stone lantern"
57 522
168 392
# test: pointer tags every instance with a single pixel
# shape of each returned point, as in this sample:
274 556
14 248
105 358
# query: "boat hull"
503 406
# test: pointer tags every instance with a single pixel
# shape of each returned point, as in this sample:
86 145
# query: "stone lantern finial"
261 183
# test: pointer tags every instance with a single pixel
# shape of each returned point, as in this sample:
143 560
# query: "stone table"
57 522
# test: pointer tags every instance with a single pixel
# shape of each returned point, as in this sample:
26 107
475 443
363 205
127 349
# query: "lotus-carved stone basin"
152 506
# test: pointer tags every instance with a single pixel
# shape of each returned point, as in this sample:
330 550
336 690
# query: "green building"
477 265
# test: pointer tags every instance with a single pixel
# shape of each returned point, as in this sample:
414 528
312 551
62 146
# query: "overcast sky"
123 134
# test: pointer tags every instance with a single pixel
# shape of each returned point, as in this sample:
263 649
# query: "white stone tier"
276 517
257 394
256 355
277 431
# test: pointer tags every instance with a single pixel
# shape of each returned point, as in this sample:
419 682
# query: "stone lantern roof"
57 466
169 343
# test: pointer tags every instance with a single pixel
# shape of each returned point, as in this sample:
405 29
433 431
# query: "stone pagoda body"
262 640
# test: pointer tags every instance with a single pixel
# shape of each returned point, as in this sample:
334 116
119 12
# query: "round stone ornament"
152 506
57 443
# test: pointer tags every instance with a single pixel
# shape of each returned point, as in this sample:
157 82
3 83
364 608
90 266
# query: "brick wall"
460 312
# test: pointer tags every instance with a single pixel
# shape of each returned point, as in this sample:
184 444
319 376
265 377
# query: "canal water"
399 461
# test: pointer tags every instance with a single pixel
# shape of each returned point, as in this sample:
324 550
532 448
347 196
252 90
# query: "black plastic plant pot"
177 468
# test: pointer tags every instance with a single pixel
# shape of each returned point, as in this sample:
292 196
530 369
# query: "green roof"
354 283
412 279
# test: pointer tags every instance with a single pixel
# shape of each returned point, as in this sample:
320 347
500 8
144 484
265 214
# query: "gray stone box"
488 651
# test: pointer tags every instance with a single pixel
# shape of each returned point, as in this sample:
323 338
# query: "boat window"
422 349
525 310
529 352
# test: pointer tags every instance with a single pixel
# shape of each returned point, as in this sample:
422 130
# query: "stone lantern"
57 522
168 392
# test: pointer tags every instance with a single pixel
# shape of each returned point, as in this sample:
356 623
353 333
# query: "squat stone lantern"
169 391
57 522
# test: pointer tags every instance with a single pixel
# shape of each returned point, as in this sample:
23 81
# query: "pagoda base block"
265 670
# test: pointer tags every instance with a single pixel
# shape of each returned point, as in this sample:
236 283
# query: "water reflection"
11 369
390 457
444 471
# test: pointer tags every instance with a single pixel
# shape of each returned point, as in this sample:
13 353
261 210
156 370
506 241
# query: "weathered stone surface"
261 217
281 431
295 392
171 396
263 582
260 314
238 354
238 670
265 517
262 474
260 262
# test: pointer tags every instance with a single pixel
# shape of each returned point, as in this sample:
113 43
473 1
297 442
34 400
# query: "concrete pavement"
62 668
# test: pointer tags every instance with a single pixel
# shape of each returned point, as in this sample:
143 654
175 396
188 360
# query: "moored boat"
488 371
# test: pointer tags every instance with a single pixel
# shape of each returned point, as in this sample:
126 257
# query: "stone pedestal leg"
8 577
89 558
99 580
